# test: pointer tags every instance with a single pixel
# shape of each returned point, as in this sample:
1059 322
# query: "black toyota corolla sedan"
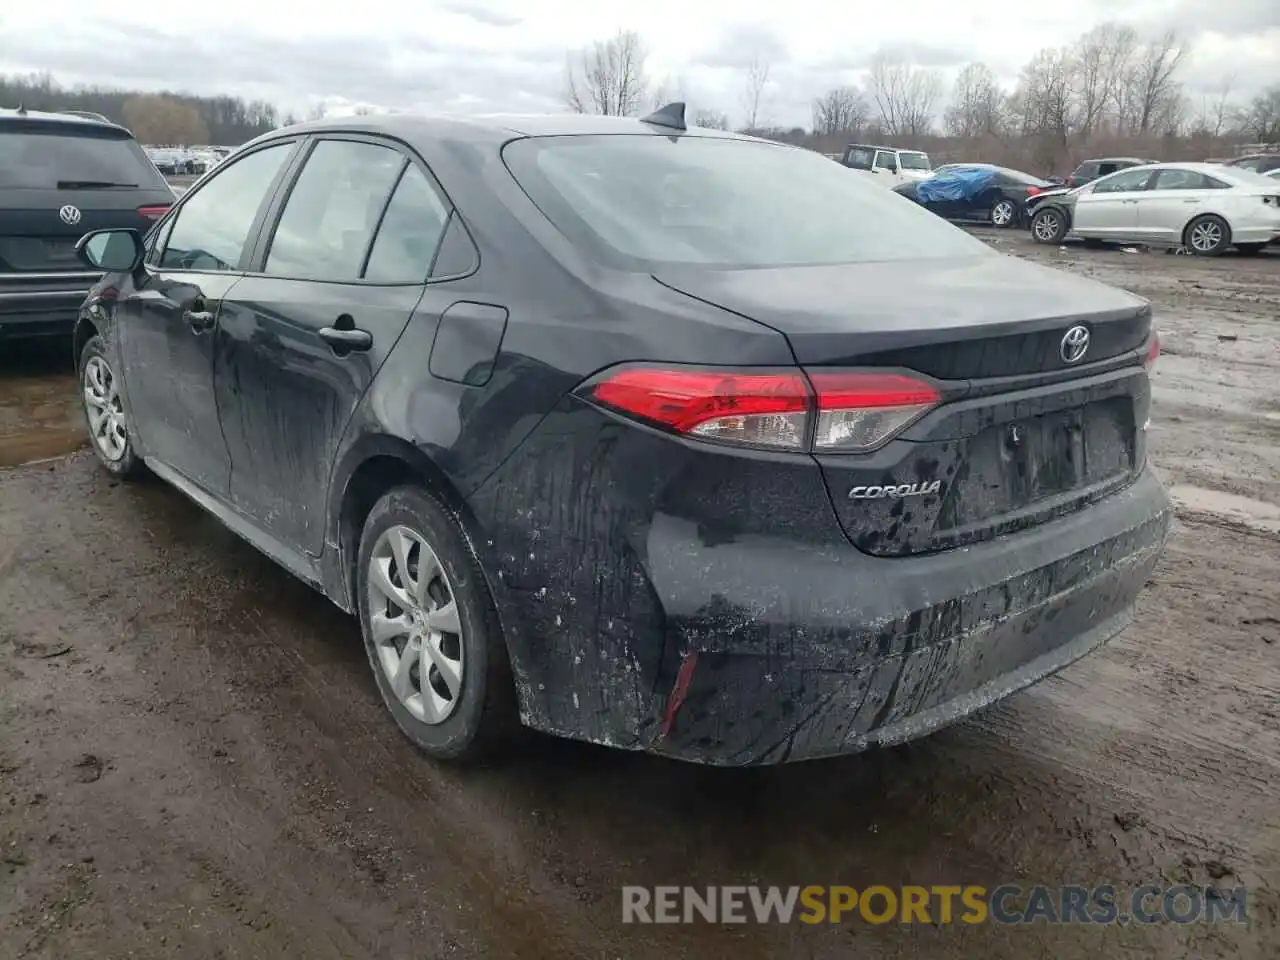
658 437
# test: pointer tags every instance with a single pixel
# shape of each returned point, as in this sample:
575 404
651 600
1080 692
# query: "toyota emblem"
1075 344
70 215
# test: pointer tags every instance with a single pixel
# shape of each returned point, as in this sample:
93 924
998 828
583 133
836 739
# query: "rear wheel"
1004 214
431 629
1207 236
1049 226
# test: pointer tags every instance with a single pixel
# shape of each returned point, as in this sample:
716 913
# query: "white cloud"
493 55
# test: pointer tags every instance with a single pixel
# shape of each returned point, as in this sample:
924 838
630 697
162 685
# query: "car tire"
462 707
1250 249
104 413
1004 214
1207 236
1049 226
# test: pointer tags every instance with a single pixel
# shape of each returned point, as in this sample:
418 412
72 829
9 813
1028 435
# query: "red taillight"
851 411
1032 191
1153 352
154 211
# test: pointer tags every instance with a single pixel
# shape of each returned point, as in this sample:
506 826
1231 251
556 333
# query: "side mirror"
112 251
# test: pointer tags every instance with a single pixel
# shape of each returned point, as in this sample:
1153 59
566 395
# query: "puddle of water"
40 417
1256 514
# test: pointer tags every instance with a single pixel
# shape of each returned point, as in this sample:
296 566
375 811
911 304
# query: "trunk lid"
1022 435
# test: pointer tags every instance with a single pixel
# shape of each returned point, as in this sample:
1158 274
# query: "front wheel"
104 412
431 629
1049 226
1004 214
1207 236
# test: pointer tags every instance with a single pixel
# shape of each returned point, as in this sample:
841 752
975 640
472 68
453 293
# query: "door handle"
199 319
346 340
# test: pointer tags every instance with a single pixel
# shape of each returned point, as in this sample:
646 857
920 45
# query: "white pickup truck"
889 165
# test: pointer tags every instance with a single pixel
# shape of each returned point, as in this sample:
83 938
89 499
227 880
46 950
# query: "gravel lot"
194 761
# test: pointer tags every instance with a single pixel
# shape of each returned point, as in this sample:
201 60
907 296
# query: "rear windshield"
43 158
1017 176
913 161
720 202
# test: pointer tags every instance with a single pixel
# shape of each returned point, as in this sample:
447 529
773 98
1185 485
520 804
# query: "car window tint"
333 210
39 155
1121 182
712 201
409 233
211 228
884 158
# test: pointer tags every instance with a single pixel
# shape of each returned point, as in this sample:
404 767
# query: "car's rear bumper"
666 636
1256 233
41 304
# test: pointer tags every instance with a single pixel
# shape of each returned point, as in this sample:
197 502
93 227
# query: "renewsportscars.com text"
971 904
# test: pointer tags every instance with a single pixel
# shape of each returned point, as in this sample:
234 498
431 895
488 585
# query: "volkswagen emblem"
1075 344
70 215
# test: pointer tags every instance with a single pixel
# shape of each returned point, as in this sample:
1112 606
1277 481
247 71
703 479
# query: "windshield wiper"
90 184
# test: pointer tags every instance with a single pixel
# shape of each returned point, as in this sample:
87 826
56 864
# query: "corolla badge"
896 491
1075 344
69 214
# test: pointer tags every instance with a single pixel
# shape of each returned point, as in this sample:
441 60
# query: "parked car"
670 440
1091 170
889 165
988 194
1204 207
1257 162
59 176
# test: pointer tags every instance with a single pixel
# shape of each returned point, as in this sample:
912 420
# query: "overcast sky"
508 55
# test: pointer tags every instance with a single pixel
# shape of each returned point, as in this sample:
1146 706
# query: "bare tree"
1042 104
156 118
976 102
905 96
608 77
1101 67
840 110
669 90
1218 116
1157 94
711 119
757 79
1261 119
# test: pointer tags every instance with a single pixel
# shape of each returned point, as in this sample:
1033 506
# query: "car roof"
70 119
1135 160
494 128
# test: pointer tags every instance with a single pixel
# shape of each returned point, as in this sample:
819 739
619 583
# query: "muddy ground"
194 761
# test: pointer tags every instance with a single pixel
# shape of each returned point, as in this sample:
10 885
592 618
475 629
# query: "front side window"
885 160
1123 182
646 200
410 232
212 226
333 210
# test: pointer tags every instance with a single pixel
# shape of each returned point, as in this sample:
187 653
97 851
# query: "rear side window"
640 200
859 158
1086 170
1174 179
409 233
333 210
210 229
60 156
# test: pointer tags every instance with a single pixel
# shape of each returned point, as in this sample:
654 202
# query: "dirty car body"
743 492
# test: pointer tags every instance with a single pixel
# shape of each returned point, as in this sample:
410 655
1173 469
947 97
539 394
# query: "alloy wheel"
105 409
1206 236
414 625
1002 213
1046 227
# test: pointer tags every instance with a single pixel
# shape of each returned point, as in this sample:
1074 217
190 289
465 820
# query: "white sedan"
1203 207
